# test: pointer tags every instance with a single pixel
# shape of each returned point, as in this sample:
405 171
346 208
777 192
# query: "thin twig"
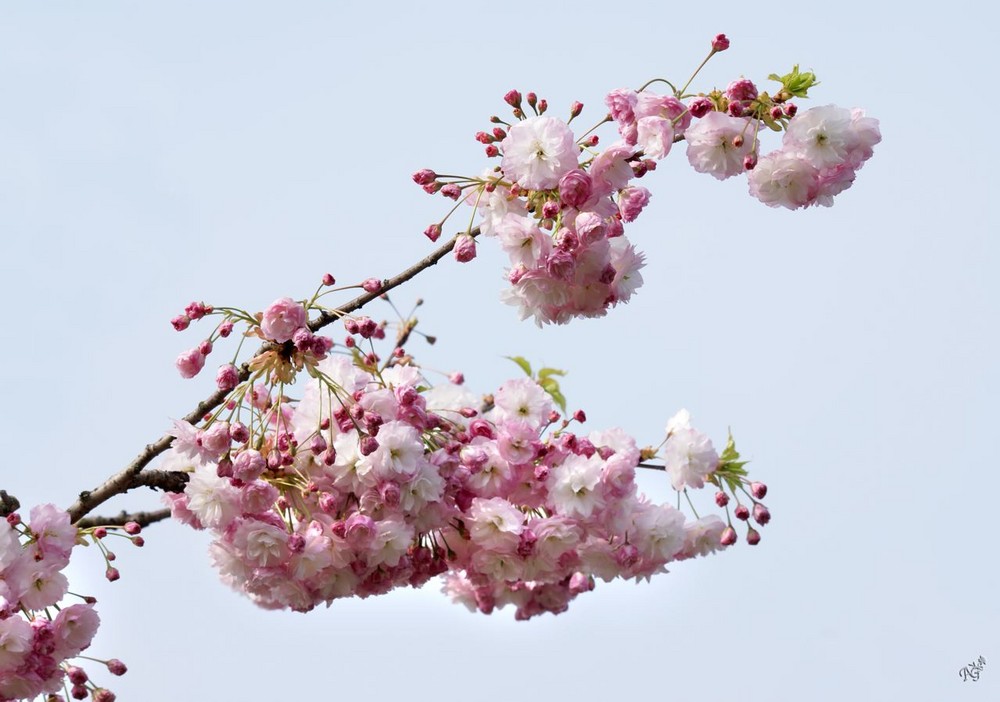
124 480
143 519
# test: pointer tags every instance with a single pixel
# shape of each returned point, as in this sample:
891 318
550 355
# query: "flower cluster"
558 206
373 480
37 636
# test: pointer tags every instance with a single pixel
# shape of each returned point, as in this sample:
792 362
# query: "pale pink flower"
399 452
495 524
655 136
537 152
783 179
621 104
702 537
829 136
523 241
15 642
10 546
260 544
688 458
610 170
523 399
392 539
575 187
666 106
74 629
631 202
212 499
710 144
282 318
572 485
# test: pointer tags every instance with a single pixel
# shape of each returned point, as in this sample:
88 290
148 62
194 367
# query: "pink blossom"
710 144
190 363
631 202
575 187
655 136
465 248
783 179
282 318
538 152
621 104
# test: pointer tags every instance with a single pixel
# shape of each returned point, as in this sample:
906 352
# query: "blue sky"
234 152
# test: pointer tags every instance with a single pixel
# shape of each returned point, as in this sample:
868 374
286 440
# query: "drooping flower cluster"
37 636
374 480
558 206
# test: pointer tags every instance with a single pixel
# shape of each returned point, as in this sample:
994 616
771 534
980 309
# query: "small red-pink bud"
465 248
328 279
451 190
13 519
720 42
721 498
76 674
132 528
499 133
758 490
753 537
736 109
205 347
181 322
700 106
738 141
112 574
457 378
492 151
761 514
776 112
512 98
227 377
532 99
196 310
239 433
372 285
104 695
368 445
100 533
543 105
750 161
116 667
138 541
580 416
728 537
79 692
317 445
225 329
575 109
791 108
424 176
484 138
742 512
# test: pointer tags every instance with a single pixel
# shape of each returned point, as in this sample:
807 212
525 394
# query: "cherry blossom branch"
125 479
143 519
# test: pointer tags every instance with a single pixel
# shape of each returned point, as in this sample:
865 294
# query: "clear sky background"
233 152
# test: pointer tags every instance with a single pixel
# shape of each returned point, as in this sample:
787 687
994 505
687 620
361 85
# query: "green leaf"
523 363
546 372
797 82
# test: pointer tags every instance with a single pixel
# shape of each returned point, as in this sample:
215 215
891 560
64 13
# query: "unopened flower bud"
720 42
225 329
776 112
484 138
742 512
761 514
492 151
457 378
138 541
700 106
424 176
580 416
205 347
758 490
750 161
239 432
111 573
181 322
575 109
196 310
100 533
543 105
76 674
791 108
465 248
368 445
721 498
451 190
532 99
132 528
190 363
227 377
753 537
738 141
512 98
728 537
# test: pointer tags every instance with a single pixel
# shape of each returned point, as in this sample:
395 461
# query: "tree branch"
124 480
8 504
143 519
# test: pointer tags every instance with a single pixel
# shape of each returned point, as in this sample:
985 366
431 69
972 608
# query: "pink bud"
758 490
368 445
76 675
138 541
112 574
329 280
543 105
181 322
433 232
750 161
100 533
776 112
575 109
753 537
721 498
492 151
738 140
550 209
205 347
190 363
457 378
532 99
196 310
103 695
132 528
424 176
239 432
465 248
512 98
225 329
79 692
451 190
700 106
317 445
227 377
742 512
484 138
720 42
580 416
761 514
728 537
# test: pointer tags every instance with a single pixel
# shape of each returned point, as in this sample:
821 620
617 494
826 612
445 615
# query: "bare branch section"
143 519
125 479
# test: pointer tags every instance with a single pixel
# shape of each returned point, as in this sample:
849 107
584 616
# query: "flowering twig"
124 480
141 518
